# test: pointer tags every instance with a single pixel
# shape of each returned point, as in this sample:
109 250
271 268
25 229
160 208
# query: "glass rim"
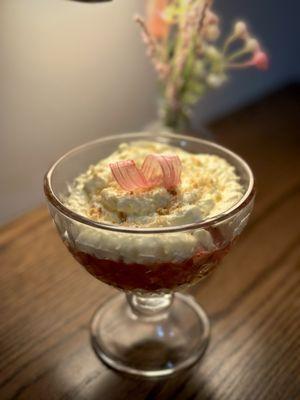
54 200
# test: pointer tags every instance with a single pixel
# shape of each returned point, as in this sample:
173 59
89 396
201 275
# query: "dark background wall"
276 23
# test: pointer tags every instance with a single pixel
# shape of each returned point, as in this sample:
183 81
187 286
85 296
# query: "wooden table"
253 299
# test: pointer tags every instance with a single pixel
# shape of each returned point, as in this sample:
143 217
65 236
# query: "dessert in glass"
150 215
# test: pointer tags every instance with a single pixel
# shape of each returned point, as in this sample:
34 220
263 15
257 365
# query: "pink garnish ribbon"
157 170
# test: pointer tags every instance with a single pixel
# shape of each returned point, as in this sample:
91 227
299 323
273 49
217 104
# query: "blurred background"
71 72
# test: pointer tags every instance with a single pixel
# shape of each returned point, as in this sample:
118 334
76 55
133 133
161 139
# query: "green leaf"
196 87
193 92
190 98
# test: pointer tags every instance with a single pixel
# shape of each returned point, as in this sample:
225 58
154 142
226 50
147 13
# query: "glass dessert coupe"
152 330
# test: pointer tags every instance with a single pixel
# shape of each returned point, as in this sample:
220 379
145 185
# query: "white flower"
252 45
215 80
240 29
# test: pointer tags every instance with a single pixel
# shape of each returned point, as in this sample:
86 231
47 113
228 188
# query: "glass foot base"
150 345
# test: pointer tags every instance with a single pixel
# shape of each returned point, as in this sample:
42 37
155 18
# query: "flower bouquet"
182 38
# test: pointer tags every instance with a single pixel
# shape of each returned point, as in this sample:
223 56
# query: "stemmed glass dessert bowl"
152 330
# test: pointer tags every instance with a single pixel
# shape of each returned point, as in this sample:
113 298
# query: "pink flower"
157 26
211 18
260 60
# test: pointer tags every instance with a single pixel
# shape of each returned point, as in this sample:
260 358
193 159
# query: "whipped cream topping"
209 186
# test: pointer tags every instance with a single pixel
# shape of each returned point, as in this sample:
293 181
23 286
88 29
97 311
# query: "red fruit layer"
160 276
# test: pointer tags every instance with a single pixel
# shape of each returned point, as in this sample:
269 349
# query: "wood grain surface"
253 299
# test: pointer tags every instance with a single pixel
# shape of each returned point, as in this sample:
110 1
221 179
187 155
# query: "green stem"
238 54
175 119
228 42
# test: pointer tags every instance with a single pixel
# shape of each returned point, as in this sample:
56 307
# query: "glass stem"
150 306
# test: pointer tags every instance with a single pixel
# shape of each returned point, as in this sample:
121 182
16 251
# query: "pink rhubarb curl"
162 170
127 175
156 170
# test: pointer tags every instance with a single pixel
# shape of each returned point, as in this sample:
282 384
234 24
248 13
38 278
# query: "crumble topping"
209 185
